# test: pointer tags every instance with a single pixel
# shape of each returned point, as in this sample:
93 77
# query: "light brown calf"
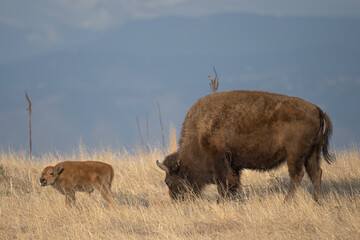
71 176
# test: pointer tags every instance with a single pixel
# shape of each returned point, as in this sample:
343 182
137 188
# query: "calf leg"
69 197
105 191
107 195
312 166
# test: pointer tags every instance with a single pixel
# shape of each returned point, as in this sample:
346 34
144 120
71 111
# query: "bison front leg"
228 180
296 172
227 190
69 197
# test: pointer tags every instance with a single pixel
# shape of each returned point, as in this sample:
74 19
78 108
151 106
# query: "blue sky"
92 67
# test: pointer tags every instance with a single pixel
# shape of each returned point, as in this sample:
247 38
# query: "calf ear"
59 169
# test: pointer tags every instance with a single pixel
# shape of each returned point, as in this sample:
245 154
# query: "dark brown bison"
226 132
71 176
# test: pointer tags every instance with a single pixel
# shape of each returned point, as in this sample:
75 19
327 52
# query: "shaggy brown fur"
226 132
71 176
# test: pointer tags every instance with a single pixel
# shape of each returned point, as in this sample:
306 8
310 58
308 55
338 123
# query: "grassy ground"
145 211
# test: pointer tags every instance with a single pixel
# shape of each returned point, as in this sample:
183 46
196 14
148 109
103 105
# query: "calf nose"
43 182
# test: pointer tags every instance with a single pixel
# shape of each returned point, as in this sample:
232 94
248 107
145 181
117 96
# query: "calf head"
49 175
174 180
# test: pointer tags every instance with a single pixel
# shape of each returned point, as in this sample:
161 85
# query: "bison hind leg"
296 172
313 169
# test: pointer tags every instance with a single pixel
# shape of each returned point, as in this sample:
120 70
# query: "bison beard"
226 132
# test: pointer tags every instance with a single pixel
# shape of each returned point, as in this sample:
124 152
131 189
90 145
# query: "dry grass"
145 211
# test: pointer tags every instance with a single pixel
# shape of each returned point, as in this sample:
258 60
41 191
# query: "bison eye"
168 182
52 174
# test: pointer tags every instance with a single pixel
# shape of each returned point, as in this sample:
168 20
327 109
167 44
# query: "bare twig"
162 128
29 110
147 134
214 83
140 134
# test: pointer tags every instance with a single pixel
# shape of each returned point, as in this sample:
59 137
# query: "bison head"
174 180
49 175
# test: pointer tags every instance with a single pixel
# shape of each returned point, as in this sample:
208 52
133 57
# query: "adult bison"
226 132
71 176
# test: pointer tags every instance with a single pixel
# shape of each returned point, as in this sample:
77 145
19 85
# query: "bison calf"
71 176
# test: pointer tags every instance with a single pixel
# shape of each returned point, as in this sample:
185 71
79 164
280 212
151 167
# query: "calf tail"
325 136
111 176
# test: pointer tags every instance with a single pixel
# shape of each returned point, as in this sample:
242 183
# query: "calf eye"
51 174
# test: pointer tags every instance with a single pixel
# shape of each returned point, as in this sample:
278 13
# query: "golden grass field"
28 211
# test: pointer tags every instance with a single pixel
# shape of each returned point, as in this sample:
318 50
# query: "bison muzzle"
226 132
71 176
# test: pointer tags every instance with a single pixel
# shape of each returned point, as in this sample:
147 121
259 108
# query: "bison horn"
162 166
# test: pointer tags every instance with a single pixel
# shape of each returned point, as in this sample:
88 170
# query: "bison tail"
326 136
